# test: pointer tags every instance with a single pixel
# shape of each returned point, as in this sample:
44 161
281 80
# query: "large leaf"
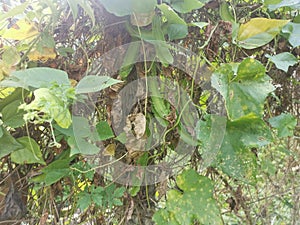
185 6
258 32
294 4
36 78
292 30
235 157
284 123
283 60
195 203
127 7
8 144
244 93
30 153
93 83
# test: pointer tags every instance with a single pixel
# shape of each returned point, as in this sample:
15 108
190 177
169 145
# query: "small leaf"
284 123
94 83
104 130
258 32
30 153
171 16
283 60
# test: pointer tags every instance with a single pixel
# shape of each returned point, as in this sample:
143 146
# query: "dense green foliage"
220 106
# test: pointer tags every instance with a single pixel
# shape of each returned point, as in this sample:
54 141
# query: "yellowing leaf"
109 150
23 29
258 32
44 55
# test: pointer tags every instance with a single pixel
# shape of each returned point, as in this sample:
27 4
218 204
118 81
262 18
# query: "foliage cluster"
248 52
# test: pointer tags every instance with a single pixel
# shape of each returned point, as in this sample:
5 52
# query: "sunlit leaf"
23 30
258 32
30 153
283 60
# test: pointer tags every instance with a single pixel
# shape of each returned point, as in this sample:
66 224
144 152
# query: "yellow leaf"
109 150
44 55
23 29
258 26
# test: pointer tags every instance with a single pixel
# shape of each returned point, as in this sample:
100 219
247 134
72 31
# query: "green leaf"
8 144
52 107
84 200
94 83
185 6
284 123
11 56
244 93
12 116
36 78
177 31
235 157
258 32
283 60
55 171
127 7
225 12
17 94
171 16
196 203
293 32
276 4
104 130
30 153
